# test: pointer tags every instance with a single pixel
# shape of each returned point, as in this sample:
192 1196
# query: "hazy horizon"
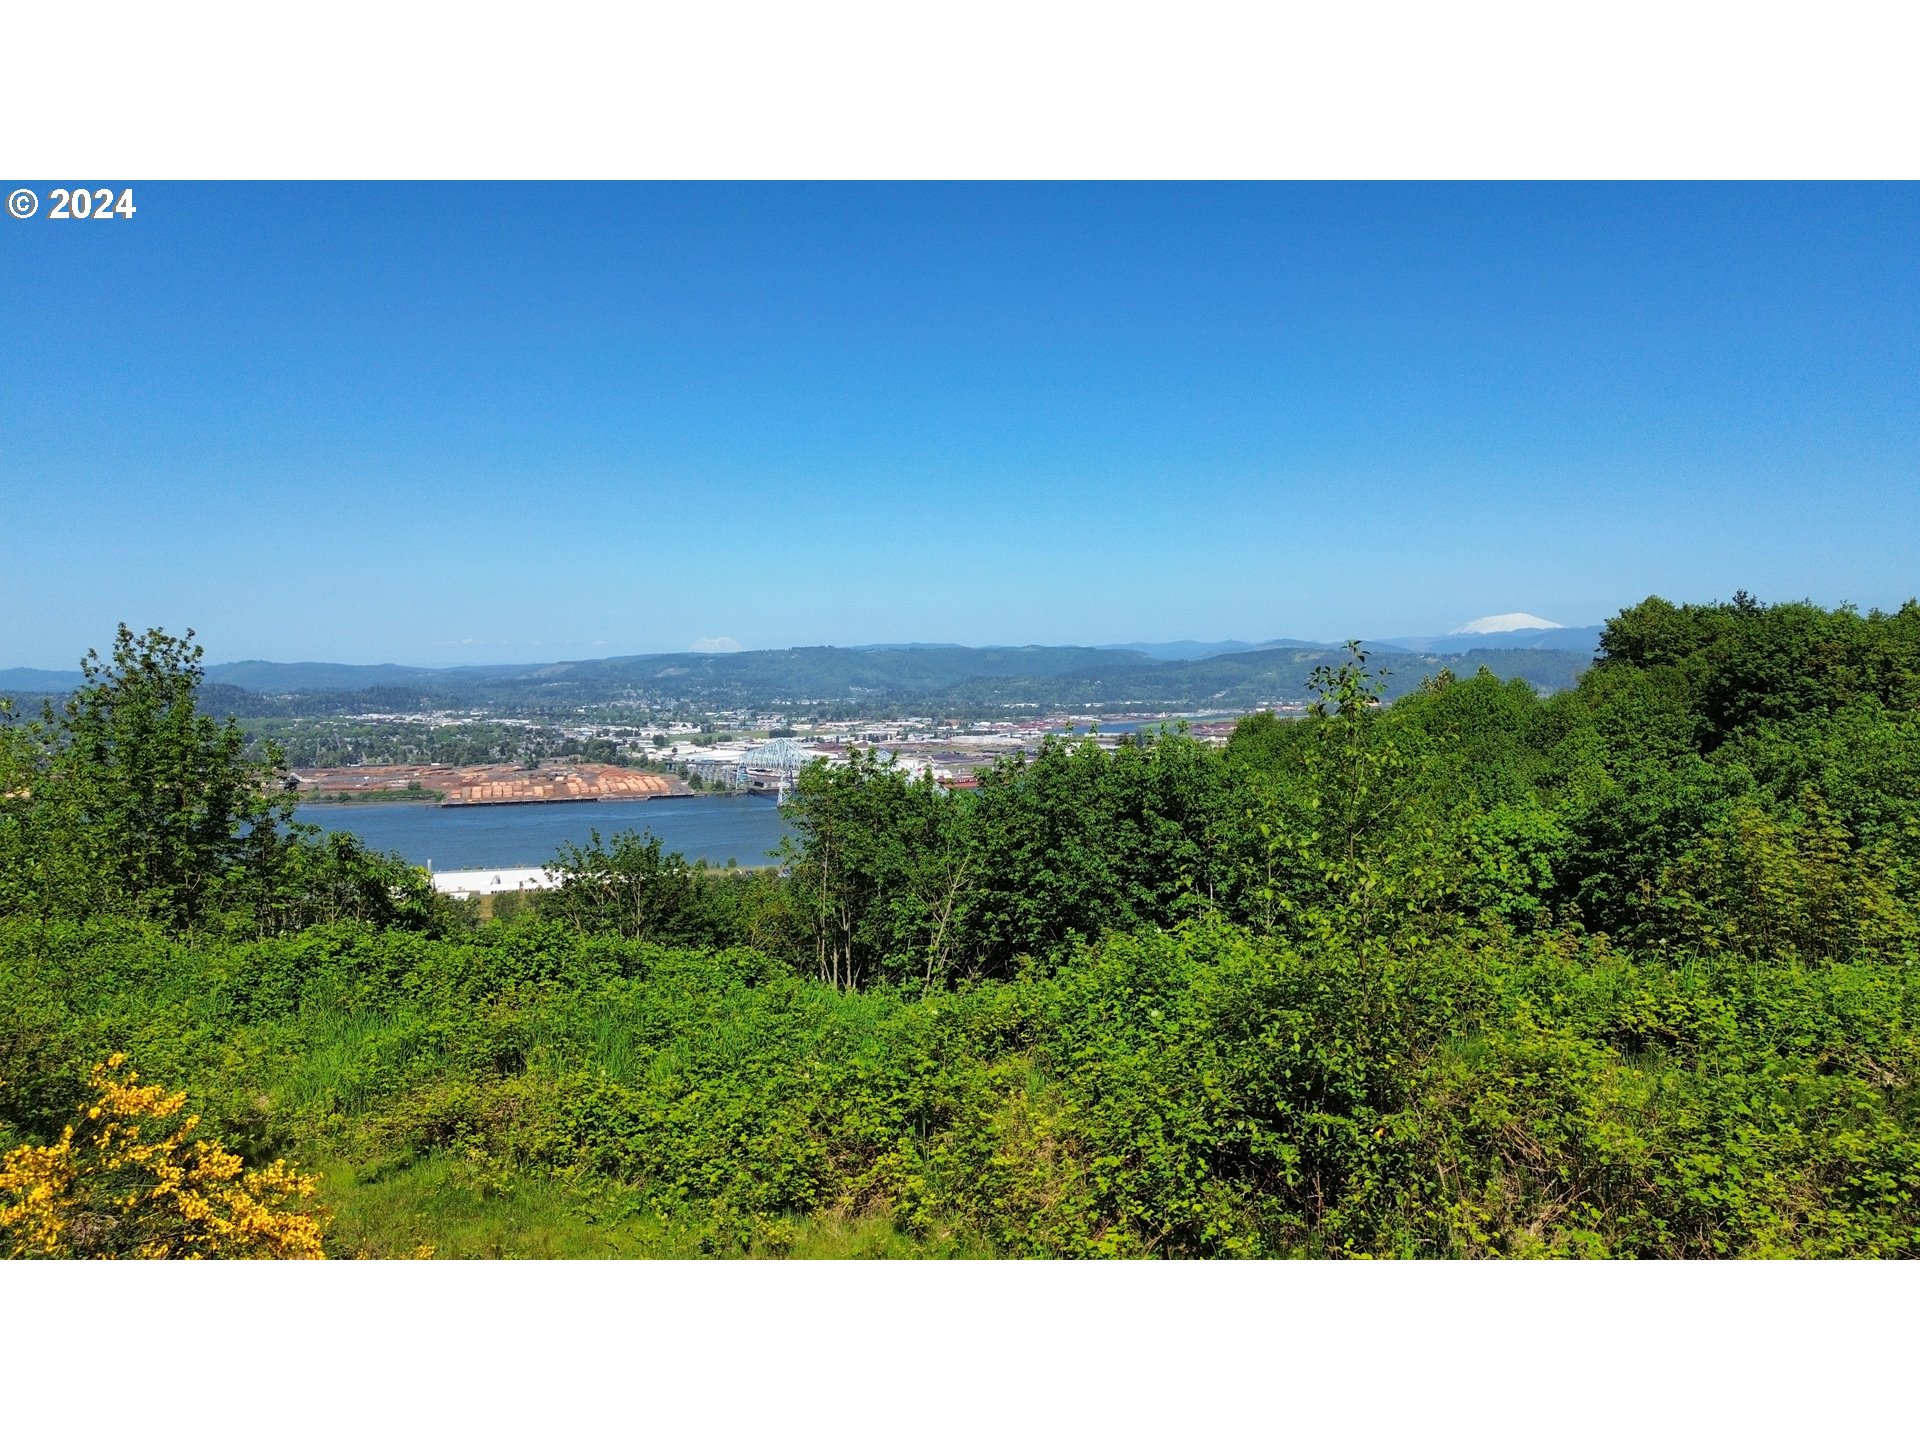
1488 639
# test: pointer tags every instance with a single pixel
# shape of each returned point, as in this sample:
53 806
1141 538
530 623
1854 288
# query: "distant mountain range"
1144 674
1486 634
1205 649
273 677
1196 674
23 681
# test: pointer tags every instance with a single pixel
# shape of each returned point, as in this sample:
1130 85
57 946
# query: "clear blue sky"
463 424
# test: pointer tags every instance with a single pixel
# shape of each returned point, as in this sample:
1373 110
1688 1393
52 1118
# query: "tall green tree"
882 871
630 886
127 797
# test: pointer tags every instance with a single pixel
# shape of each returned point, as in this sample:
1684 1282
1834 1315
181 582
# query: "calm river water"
714 828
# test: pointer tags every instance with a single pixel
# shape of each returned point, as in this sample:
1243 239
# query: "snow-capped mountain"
1516 630
1505 624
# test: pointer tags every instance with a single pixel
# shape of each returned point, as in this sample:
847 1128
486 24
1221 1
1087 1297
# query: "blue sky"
470 424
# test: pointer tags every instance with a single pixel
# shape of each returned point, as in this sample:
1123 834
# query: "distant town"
738 751
649 727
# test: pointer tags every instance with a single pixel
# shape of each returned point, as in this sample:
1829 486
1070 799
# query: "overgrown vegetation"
1627 971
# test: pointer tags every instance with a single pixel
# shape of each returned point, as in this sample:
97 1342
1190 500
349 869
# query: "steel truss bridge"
785 757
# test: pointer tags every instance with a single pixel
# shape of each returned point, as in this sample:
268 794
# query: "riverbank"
376 797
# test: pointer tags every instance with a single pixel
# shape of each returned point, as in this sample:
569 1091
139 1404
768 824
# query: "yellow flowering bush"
129 1180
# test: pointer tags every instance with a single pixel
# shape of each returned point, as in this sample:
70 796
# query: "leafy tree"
630 887
1078 841
318 878
1352 829
1773 887
881 870
127 797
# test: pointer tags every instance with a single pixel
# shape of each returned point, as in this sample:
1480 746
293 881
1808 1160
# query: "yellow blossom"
130 1180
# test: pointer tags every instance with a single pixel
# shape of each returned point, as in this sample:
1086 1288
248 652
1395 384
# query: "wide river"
714 828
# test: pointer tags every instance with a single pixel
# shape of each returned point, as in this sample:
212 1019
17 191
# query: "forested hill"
945 675
1251 678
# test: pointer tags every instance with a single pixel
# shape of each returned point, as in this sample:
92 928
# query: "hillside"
1251 678
895 675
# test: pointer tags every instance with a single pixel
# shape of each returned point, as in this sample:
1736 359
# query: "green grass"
437 1208
440 1208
